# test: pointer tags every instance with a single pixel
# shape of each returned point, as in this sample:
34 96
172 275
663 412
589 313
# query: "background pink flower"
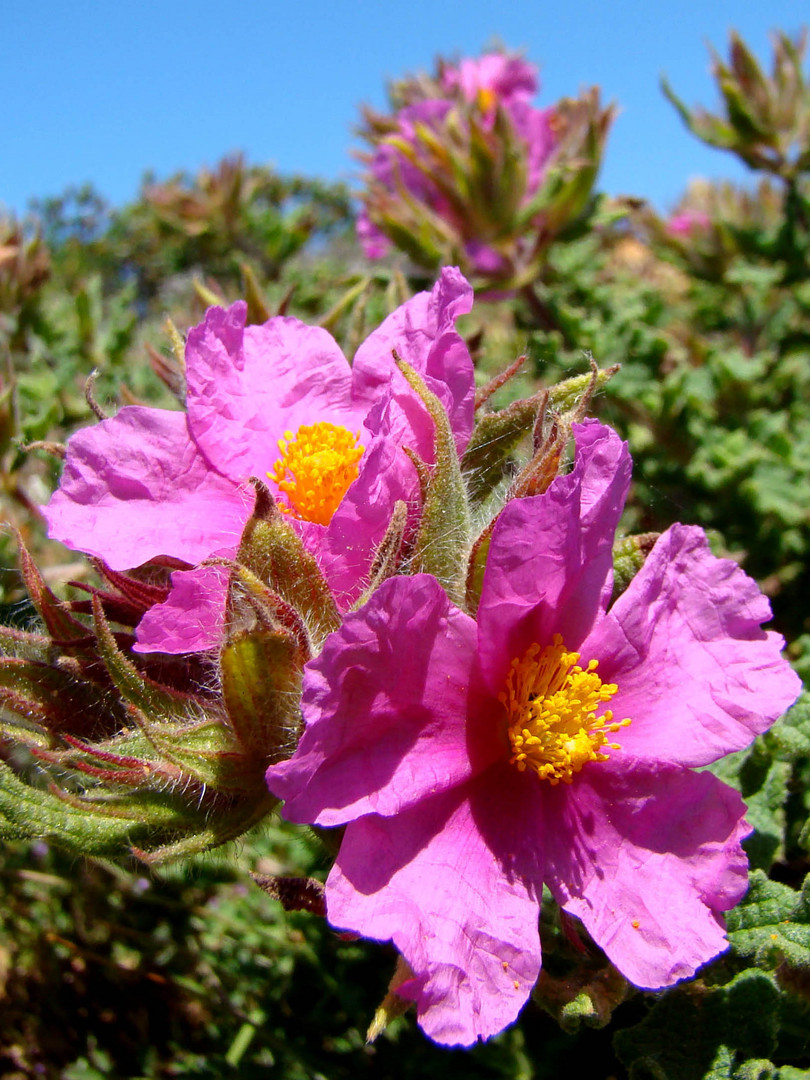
509 78
149 483
448 844
688 221
485 84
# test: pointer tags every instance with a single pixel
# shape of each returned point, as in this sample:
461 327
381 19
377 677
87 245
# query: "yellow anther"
487 99
551 706
317 464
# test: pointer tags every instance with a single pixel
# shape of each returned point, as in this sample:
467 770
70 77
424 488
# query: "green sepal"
570 395
443 537
260 676
148 697
52 697
226 825
497 435
476 566
102 826
207 295
205 752
32 646
390 551
62 626
273 551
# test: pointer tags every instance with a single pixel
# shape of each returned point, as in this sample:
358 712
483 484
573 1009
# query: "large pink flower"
281 402
473 760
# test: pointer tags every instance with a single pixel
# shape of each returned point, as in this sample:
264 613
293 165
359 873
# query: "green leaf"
694 1032
771 926
790 735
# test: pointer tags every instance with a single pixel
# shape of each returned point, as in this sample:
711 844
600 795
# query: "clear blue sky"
101 90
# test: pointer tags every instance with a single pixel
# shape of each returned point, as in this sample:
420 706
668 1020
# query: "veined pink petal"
386 706
428 880
248 385
192 616
646 856
424 335
346 548
550 564
697 675
135 487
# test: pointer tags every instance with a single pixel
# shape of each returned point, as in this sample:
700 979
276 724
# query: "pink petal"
428 880
537 127
248 385
513 78
423 333
386 708
347 546
647 857
550 563
697 675
191 618
135 487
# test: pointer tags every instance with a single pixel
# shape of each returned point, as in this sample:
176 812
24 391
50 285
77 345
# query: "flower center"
487 99
551 706
317 465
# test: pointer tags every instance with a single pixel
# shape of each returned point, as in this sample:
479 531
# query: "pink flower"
486 83
473 760
393 169
688 221
493 77
280 402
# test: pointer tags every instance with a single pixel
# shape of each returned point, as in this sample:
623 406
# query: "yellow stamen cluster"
551 706
487 99
316 467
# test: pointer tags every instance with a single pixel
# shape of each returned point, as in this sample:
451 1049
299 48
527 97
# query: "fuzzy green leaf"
772 924
695 1032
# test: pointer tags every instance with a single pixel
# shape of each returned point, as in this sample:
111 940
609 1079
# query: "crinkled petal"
647 857
135 487
429 880
248 385
386 707
347 546
697 675
191 618
424 335
550 563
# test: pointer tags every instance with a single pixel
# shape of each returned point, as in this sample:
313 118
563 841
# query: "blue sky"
101 91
